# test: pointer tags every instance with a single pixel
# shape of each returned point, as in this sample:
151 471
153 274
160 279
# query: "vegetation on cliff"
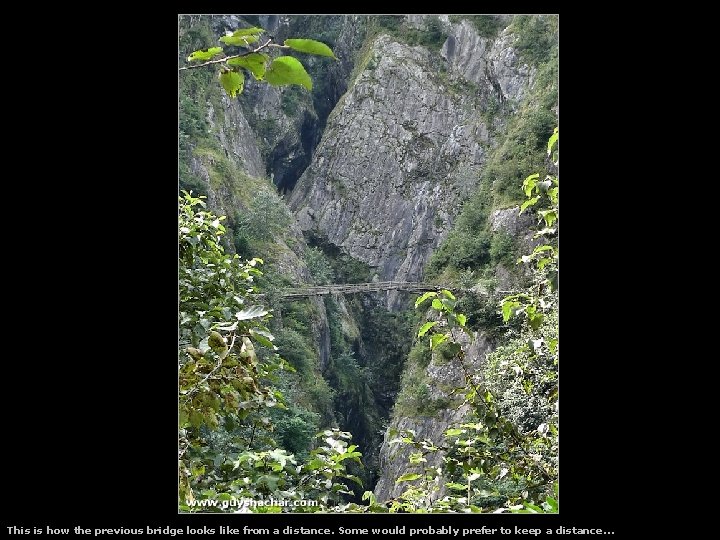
271 391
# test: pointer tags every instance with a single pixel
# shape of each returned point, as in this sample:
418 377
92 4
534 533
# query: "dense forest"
368 212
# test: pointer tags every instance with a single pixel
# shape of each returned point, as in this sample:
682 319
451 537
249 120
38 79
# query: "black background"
90 396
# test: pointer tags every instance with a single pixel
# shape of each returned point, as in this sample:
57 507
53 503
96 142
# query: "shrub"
535 38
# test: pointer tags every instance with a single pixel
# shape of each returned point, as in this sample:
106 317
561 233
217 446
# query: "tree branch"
225 58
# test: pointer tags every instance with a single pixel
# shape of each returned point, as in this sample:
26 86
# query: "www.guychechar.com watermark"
243 504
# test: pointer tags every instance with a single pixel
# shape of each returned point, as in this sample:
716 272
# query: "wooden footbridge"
377 286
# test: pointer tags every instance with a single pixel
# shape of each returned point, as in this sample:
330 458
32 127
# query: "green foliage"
536 36
195 91
310 46
488 26
279 71
415 399
295 430
294 348
389 22
255 63
232 81
533 305
265 218
433 36
469 245
319 266
503 248
221 377
286 70
227 367
242 37
346 268
205 55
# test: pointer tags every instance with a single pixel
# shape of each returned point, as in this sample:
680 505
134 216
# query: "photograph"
368 265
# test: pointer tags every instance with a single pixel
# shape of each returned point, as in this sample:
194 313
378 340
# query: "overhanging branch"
268 43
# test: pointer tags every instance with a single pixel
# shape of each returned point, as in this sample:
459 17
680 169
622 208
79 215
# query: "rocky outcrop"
404 148
445 376
290 120
492 64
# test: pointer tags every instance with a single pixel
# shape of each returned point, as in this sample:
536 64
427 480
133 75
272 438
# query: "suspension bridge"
376 286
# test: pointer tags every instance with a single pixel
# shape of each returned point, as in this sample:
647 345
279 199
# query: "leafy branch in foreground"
279 71
227 370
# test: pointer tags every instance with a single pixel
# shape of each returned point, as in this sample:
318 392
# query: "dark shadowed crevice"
287 170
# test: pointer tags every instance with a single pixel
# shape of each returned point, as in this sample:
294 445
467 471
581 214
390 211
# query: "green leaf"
263 338
552 503
241 38
269 480
535 509
204 55
461 319
253 312
448 294
530 183
217 344
252 31
454 432
288 70
550 216
310 46
408 477
424 297
425 327
535 320
437 304
449 304
236 41
553 139
508 309
437 339
316 463
232 81
542 248
255 63
456 486
226 328
529 202
354 479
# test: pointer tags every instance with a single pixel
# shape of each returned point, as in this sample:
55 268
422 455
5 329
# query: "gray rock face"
392 164
236 137
394 458
489 63
289 120
404 148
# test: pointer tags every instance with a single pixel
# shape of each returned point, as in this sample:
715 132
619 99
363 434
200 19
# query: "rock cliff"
374 165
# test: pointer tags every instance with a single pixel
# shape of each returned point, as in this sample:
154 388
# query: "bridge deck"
303 292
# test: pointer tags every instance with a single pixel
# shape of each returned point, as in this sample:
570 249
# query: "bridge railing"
320 290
